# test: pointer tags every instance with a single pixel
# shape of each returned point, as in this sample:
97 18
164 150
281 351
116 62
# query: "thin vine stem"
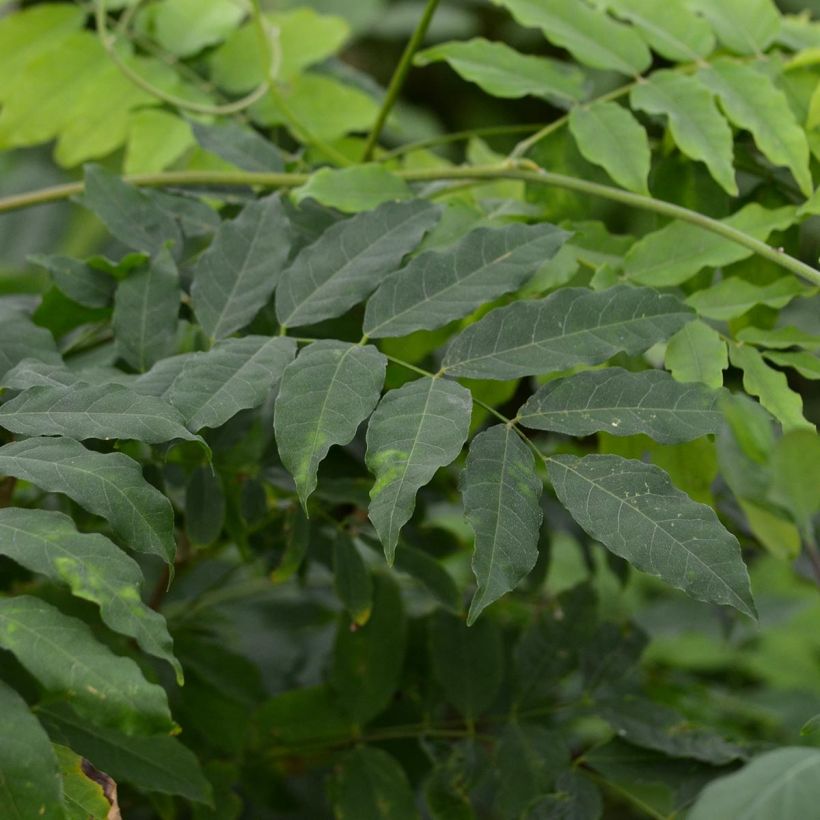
398 78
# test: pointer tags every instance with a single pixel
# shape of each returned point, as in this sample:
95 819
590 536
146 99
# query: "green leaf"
152 764
752 101
234 375
796 477
204 507
109 485
185 27
415 430
780 337
806 364
436 287
326 393
784 783
128 213
609 136
29 775
243 147
158 380
359 188
349 260
590 36
733 296
84 798
696 125
744 26
78 280
351 580
570 327
236 276
696 353
300 716
771 387
504 72
501 494
156 139
146 310
576 798
679 250
624 403
633 509
95 569
367 662
63 654
104 411
430 574
468 662
370 783
811 726
21 339
670 29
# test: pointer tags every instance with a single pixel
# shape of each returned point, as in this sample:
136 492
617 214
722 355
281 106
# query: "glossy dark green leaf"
63 654
624 403
326 393
78 280
29 776
415 430
349 260
236 276
501 493
234 375
572 326
204 506
352 580
467 661
109 485
95 569
243 147
436 287
634 510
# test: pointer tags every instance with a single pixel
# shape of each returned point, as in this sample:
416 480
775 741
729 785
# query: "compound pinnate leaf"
29 775
624 403
109 485
415 430
570 327
744 26
696 353
234 375
236 276
438 286
97 411
95 569
326 393
63 654
501 494
349 260
633 509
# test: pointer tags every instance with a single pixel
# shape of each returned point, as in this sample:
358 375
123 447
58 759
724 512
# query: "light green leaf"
608 135
570 327
796 476
359 188
811 726
109 485
370 783
21 339
29 775
504 72
696 125
770 386
670 29
744 26
501 494
679 250
367 662
696 353
468 662
349 260
63 654
624 403
784 783
104 411
95 569
806 364
325 395
732 297
146 311
352 580
78 280
590 36
84 798
243 147
415 430
185 27
234 375
779 337
436 287
156 139
236 276
152 764
633 509
752 101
